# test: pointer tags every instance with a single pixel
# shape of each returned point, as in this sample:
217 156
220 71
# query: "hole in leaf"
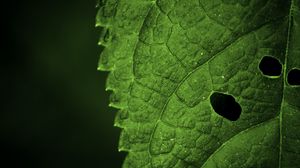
293 77
270 66
226 106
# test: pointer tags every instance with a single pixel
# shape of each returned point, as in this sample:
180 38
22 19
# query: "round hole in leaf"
270 66
226 106
293 77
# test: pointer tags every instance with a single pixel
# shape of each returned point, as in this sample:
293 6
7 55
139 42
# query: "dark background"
55 109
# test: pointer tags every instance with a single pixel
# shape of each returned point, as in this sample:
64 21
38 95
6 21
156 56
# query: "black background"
55 109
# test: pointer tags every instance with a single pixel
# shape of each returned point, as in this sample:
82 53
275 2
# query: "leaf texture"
166 57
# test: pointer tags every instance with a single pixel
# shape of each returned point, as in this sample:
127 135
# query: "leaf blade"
171 44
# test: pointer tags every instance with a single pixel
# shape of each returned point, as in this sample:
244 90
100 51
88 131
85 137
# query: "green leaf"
167 57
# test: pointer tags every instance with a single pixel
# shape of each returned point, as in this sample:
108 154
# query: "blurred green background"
55 109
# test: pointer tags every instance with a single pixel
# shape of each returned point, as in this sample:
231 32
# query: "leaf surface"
166 58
